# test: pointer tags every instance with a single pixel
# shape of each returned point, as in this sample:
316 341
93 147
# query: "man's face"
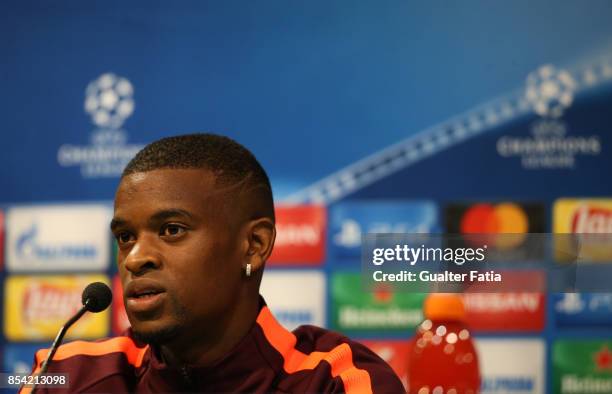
179 251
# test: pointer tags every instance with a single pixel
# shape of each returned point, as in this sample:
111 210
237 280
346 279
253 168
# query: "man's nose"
143 256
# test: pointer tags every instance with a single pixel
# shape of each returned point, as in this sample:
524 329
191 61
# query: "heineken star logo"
383 293
603 359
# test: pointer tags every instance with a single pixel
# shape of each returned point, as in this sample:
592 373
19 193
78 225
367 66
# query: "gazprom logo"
30 246
58 237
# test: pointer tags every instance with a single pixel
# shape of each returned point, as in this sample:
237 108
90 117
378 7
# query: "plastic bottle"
443 358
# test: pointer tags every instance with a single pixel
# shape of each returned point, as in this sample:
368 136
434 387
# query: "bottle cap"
444 306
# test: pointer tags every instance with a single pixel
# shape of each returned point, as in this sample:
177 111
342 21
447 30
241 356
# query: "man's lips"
143 295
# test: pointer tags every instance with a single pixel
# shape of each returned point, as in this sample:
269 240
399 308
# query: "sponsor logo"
603 359
494 219
300 235
505 311
30 247
58 237
350 220
587 216
109 101
583 309
570 304
506 225
349 235
583 216
39 305
284 292
48 301
550 92
511 366
120 319
395 353
592 220
295 317
581 367
352 317
519 384
354 309
576 385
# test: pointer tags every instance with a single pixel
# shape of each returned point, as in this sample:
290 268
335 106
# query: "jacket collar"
252 357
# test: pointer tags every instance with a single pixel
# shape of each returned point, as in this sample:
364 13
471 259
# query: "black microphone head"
97 297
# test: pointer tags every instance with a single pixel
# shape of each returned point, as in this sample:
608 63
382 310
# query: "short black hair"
230 162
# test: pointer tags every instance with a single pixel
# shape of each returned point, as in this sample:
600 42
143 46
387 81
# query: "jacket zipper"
187 376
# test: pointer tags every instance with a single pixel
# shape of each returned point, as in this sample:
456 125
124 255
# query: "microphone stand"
59 338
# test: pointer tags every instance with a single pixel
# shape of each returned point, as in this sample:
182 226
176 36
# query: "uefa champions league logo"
109 100
550 91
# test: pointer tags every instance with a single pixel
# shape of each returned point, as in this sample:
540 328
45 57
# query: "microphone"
96 298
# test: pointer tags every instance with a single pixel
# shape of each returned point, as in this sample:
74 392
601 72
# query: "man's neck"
204 348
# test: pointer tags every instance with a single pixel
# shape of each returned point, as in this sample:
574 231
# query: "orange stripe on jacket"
340 358
124 345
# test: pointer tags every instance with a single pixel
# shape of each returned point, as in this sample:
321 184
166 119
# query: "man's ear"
261 234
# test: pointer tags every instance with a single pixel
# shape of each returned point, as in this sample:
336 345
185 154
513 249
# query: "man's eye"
172 230
123 237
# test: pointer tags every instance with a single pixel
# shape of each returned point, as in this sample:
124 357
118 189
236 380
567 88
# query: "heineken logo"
381 308
382 293
583 367
603 359
355 317
572 384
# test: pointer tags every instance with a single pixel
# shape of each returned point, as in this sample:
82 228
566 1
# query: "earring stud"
247 270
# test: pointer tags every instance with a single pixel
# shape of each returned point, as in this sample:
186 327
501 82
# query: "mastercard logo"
508 220
504 218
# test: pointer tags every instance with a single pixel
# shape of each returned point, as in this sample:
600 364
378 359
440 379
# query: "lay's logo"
36 306
583 216
588 216
592 220
49 302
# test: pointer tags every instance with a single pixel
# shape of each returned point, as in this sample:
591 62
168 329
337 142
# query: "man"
194 224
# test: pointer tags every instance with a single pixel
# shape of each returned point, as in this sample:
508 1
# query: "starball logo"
109 100
550 93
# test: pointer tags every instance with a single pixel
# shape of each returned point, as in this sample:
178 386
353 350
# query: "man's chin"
156 335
